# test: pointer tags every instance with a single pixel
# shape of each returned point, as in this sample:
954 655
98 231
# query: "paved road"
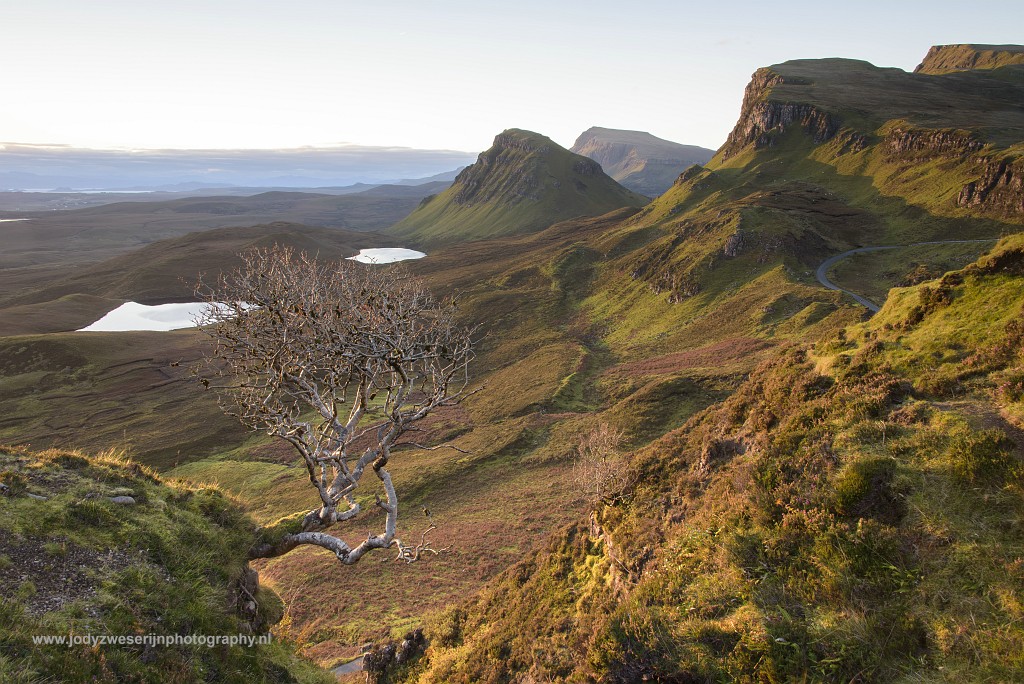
822 272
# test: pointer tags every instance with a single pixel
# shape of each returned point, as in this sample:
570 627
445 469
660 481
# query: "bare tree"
599 470
340 360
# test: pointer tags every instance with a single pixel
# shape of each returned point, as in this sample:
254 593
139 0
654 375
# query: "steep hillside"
851 513
945 59
948 145
785 533
640 161
94 547
827 156
523 183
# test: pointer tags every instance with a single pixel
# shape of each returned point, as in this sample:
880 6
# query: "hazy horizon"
261 75
46 167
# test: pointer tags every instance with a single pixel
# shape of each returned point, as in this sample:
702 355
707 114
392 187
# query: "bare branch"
327 355
599 470
411 554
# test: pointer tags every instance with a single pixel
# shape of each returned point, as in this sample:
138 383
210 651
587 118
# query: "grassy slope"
875 274
523 183
546 378
728 254
35 251
848 514
641 319
167 270
98 390
816 199
77 564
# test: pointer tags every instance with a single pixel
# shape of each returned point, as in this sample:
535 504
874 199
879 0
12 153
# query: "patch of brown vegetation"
723 353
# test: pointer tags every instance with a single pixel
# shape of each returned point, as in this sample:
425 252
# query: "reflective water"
386 255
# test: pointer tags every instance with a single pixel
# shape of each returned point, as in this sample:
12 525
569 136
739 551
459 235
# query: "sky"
431 74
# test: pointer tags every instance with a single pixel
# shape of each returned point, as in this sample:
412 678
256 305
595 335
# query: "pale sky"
440 74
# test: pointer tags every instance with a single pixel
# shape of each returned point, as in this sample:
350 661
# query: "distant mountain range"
52 167
640 161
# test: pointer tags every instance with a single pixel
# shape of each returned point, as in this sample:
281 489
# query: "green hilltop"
523 183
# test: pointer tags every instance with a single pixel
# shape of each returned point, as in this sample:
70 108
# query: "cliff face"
941 143
497 171
999 189
945 59
926 143
762 120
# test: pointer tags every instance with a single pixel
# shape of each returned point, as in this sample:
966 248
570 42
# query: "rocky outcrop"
762 120
691 172
500 172
945 59
586 167
382 659
734 245
1000 189
922 144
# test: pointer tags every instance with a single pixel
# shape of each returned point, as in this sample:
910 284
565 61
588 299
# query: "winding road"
822 272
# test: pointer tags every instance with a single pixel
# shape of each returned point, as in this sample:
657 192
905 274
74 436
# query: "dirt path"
822 273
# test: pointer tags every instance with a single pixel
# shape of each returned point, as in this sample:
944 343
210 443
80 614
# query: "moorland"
810 490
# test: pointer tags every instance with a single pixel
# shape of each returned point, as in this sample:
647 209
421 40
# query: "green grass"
163 566
873 274
269 491
97 390
827 521
796 529
526 184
